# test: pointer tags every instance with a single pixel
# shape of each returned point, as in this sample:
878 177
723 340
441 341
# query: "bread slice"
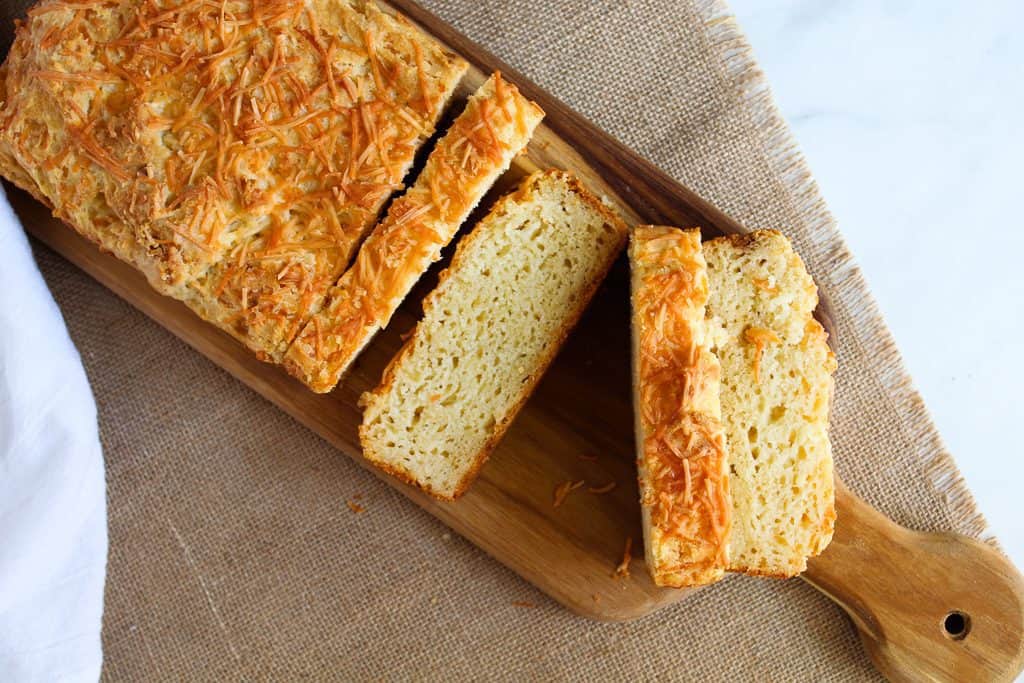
495 126
516 286
775 392
681 455
237 155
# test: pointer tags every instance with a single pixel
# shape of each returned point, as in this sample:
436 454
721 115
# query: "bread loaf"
494 127
236 154
775 391
516 286
681 455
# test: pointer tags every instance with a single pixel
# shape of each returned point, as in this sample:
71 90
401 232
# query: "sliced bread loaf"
235 153
681 456
775 392
515 287
494 127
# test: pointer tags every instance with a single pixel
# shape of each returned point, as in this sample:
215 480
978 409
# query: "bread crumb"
563 490
622 571
523 603
602 489
446 536
354 506
433 600
596 598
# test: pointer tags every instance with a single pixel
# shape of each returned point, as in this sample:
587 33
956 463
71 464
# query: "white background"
910 116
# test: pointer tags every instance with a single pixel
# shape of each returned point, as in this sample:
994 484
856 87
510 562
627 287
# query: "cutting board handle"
929 606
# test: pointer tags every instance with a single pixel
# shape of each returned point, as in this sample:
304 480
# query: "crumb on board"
602 489
622 571
354 506
596 598
563 490
523 603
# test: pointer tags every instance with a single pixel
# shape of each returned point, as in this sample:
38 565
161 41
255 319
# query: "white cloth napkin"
53 517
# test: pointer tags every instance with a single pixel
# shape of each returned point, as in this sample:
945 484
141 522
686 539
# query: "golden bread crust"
495 126
684 484
235 152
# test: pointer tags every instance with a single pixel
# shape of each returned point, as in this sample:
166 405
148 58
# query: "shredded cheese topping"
683 449
563 490
247 145
417 226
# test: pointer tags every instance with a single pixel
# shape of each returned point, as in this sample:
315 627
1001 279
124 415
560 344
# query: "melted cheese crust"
682 458
496 124
235 151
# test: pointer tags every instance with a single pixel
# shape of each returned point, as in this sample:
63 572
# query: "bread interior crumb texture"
490 328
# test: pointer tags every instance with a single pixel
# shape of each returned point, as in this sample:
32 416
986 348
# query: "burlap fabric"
234 556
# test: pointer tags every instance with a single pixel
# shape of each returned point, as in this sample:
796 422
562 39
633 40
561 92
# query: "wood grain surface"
900 587
928 606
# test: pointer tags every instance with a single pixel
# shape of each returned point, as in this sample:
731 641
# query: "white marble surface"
910 115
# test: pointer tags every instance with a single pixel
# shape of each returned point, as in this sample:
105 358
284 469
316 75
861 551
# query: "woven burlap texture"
233 554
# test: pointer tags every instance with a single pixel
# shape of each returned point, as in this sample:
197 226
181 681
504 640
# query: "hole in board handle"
956 625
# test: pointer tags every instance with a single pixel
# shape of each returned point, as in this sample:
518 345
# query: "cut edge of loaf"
771 348
370 399
441 71
686 537
356 307
279 339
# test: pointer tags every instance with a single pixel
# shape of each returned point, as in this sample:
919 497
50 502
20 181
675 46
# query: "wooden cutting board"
934 605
